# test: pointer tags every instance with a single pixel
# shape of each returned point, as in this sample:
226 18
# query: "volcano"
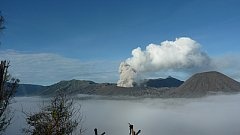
199 85
205 83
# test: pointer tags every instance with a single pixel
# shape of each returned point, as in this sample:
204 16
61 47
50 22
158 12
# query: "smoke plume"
181 54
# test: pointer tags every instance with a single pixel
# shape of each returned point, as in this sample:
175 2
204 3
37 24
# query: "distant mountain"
198 85
205 83
159 83
108 89
29 90
71 86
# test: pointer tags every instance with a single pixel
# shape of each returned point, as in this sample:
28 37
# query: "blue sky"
104 33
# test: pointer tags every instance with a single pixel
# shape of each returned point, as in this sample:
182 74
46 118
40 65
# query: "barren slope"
201 84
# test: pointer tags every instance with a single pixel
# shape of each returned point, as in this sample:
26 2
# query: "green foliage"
57 118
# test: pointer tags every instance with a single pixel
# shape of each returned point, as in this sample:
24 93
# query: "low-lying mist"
212 115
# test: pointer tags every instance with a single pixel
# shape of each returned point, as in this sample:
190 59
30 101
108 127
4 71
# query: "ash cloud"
128 74
181 54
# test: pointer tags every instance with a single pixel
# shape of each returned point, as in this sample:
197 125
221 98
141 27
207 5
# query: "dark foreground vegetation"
60 117
8 87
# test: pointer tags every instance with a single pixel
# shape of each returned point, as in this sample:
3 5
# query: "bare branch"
7 90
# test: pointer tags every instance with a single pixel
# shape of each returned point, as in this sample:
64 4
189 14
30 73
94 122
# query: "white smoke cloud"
127 73
181 54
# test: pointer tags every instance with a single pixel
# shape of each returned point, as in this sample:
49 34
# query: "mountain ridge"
162 82
198 85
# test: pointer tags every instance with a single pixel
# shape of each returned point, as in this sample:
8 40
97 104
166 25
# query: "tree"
8 87
57 118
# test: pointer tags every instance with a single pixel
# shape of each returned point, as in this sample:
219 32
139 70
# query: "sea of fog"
212 115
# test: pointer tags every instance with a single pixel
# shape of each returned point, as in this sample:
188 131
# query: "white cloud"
183 54
227 64
182 57
47 68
